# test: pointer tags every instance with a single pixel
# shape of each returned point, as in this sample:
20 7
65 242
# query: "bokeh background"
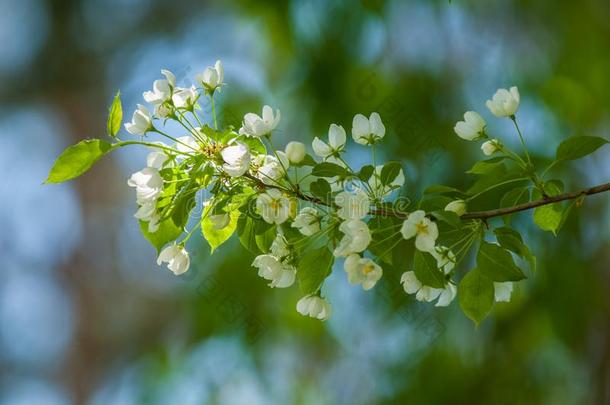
86 315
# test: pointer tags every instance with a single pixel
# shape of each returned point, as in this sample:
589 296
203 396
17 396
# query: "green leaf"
389 172
327 169
313 268
266 238
77 159
476 295
115 116
485 166
434 203
441 189
516 196
510 239
550 217
497 264
167 232
449 217
427 271
578 146
321 189
247 234
365 172
217 237
308 160
255 145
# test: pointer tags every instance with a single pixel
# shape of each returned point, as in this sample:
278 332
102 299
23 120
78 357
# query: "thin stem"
152 145
174 139
213 110
527 155
496 186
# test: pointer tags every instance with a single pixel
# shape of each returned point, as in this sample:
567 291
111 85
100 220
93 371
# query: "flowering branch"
310 211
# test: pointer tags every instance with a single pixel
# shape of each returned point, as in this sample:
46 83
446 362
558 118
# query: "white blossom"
279 247
185 97
425 293
253 125
379 189
362 270
491 147
176 257
162 89
504 103
353 205
141 121
335 145
186 144
424 230
503 291
236 159
356 238
153 222
314 306
273 169
273 206
295 152
270 268
445 259
156 159
457 206
163 110
473 126
367 131
307 221
220 221
148 184
211 78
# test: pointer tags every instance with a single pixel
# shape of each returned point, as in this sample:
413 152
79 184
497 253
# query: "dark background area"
86 315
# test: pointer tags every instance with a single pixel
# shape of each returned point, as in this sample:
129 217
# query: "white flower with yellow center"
236 159
353 205
314 306
253 125
273 206
362 270
356 238
422 228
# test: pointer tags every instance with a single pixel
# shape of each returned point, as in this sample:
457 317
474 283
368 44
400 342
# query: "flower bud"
504 103
472 127
295 151
457 206
491 147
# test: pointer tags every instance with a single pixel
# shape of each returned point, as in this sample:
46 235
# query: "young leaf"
217 237
449 217
314 266
389 172
327 169
365 172
265 239
441 189
485 166
247 234
476 295
77 159
115 116
321 189
510 239
308 160
427 271
578 146
497 264
167 232
550 217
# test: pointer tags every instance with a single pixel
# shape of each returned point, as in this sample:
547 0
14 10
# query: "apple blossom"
273 169
424 230
367 131
504 103
187 144
176 257
353 205
273 206
211 78
271 268
356 238
148 184
279 247
362 270
425 293
457 206
491 147
162 89
141 122
379 189
185 97
445 259
295 152
253 125
314 306
473 126
335 145
156 159
307 221
236 159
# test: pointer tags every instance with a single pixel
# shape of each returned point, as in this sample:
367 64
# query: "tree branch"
469 215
